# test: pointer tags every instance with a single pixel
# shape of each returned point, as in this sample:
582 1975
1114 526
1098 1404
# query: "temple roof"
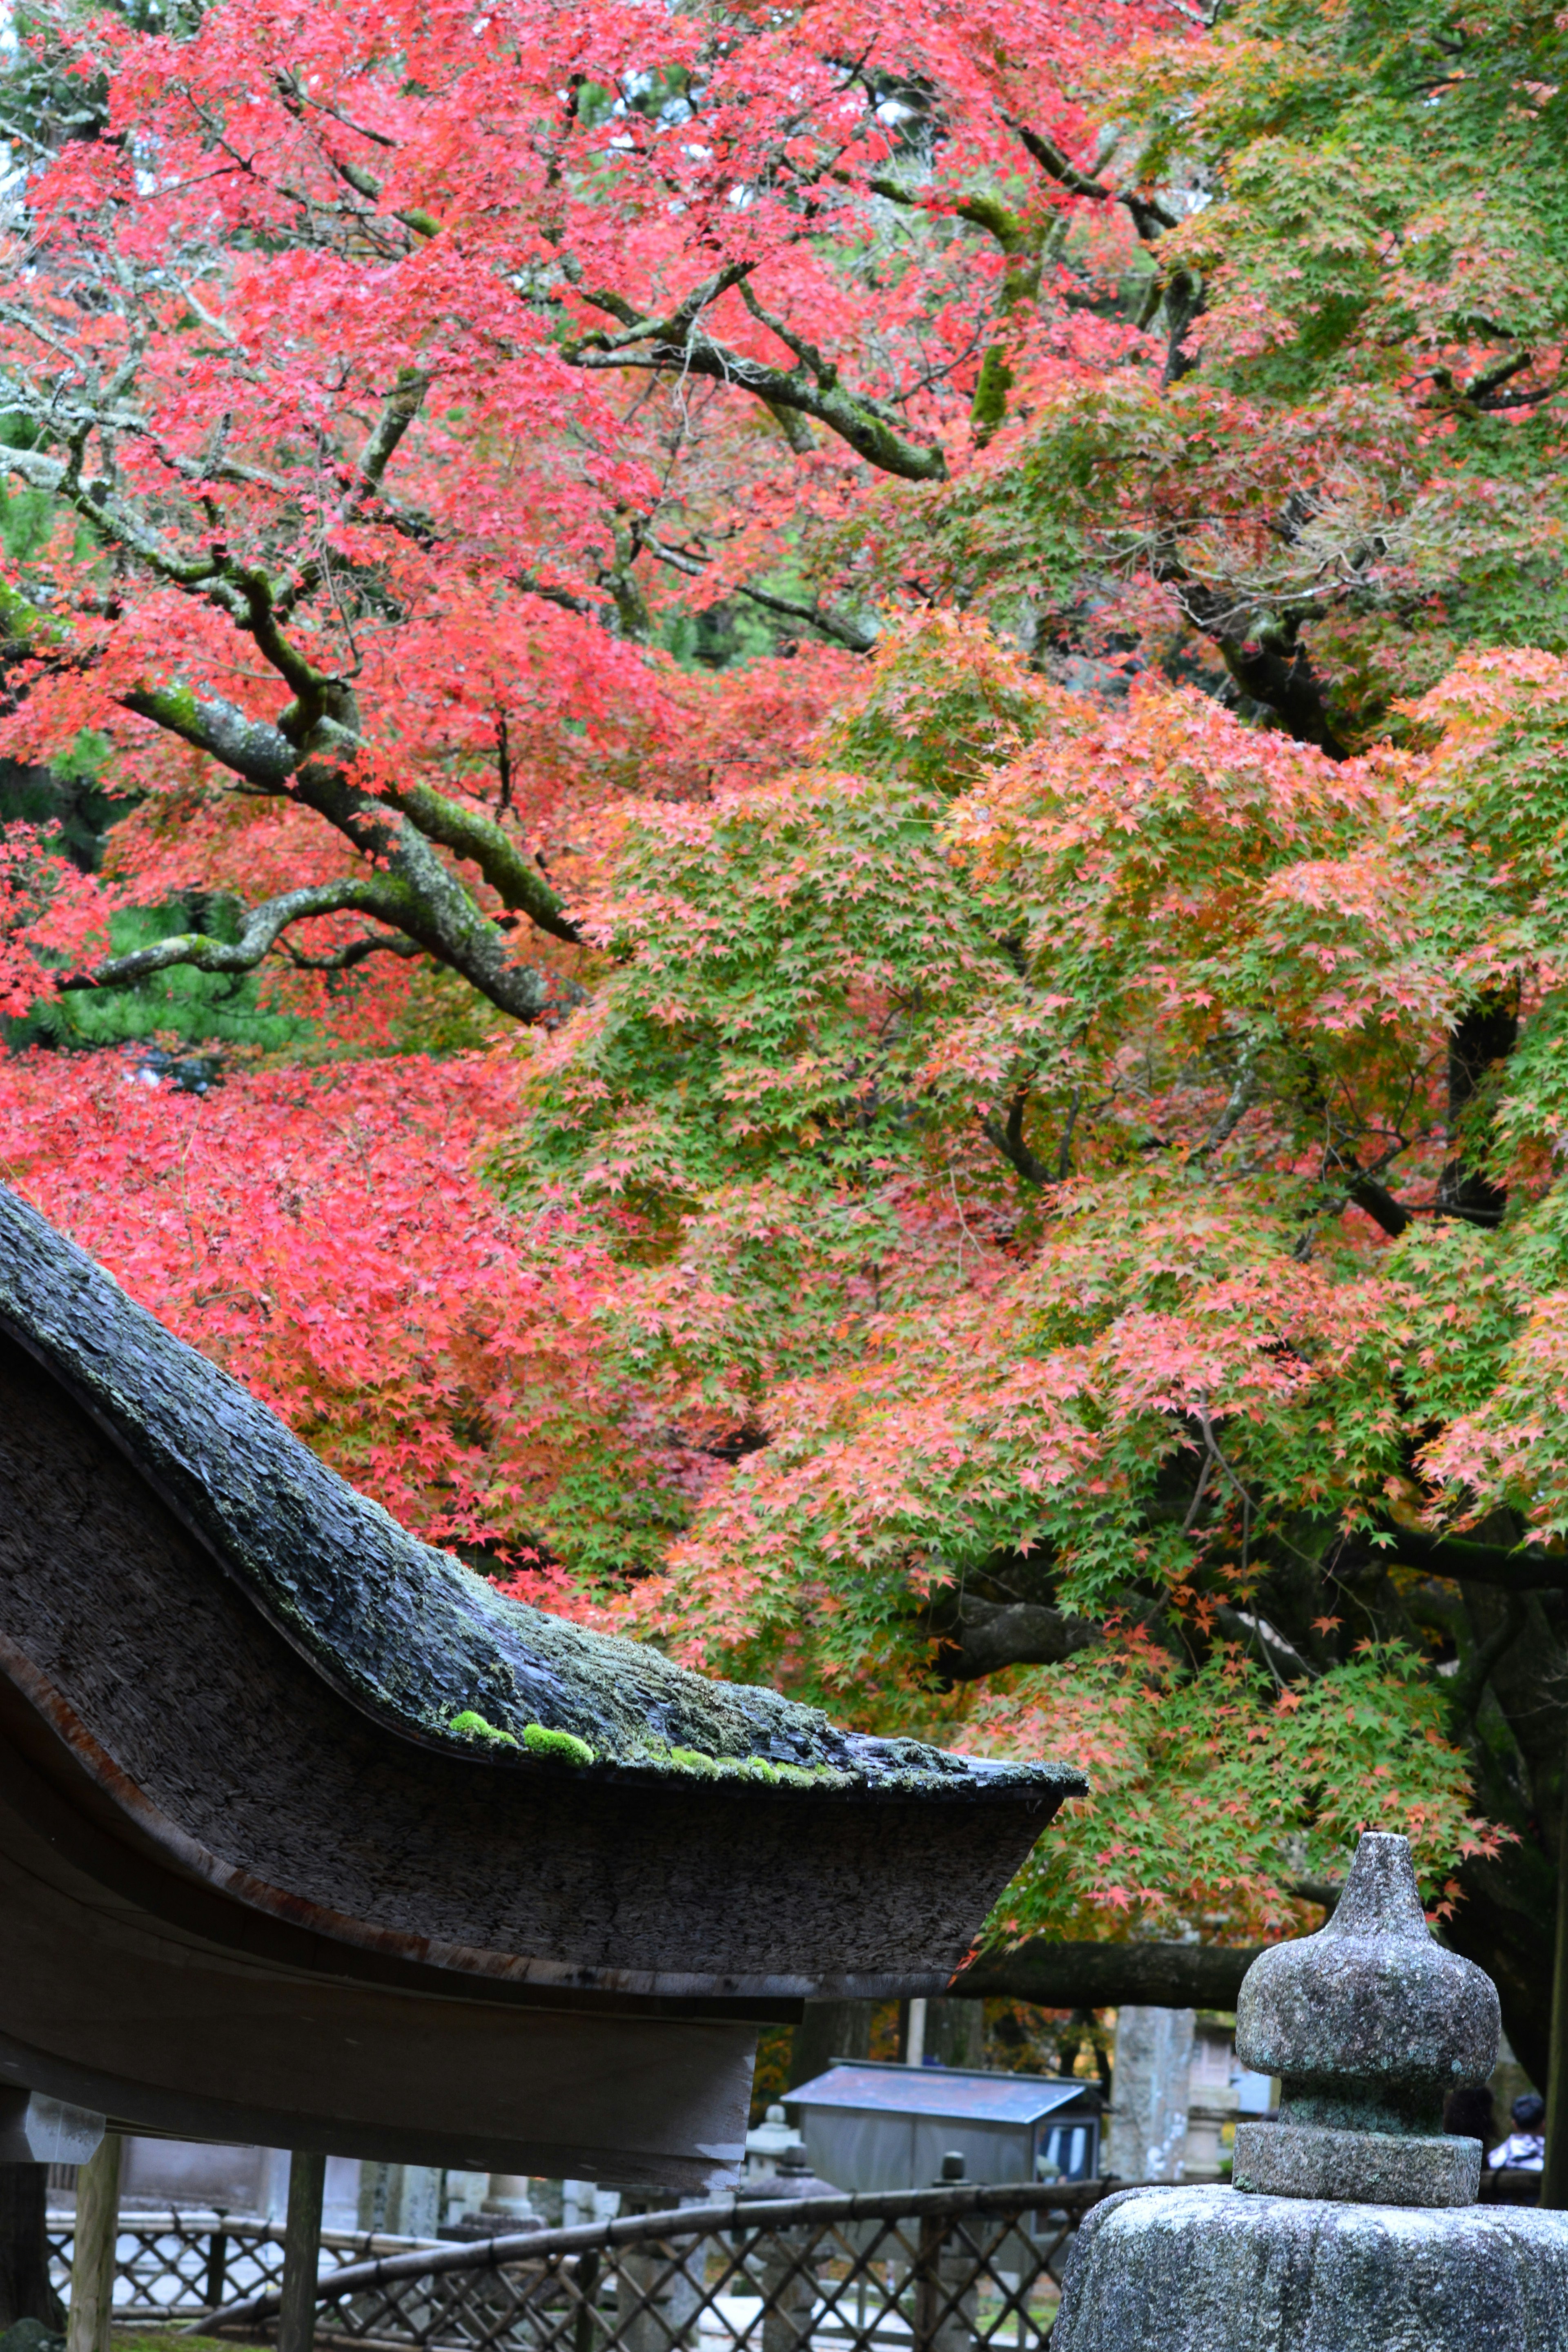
403 1630
308 1837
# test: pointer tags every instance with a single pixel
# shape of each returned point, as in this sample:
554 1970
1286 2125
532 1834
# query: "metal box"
869 2126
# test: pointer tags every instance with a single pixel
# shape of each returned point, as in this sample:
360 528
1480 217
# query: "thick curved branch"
256 750
861 422
1475 1208
271 761
855 634
991 1634
119 525
506 867
355 952
1526 1568
1468 1687
982 210
310 753
852 635
681 346
1148 215
437 910
1107 1976
299 99
1010 1140
412 889
260 933
1265 656
1378 1201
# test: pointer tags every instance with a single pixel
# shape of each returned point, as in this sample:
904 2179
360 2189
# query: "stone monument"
1349 2225
1149 2117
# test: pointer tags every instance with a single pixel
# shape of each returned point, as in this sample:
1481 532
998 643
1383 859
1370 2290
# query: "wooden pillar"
302 2251
92 2264
24 2289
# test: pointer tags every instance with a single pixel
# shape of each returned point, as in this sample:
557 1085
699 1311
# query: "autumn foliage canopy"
823 882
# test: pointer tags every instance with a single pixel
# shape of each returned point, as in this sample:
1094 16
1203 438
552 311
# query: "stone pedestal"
1351 2225
508 2200
1216 2270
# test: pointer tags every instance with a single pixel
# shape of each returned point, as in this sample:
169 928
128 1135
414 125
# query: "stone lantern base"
1348 2228
1216 2270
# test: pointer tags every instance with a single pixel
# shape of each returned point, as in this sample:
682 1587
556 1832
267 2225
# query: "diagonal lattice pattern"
947 2269
174 2266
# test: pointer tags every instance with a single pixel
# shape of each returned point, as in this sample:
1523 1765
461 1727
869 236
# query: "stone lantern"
1349 2225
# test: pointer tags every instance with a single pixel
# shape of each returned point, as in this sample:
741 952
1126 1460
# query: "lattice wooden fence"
960 2269
173 2266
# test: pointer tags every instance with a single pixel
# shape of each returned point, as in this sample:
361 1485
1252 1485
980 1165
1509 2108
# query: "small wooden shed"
871 2125
309 1838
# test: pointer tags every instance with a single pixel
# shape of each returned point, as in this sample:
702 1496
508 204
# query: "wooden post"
24 2289
92 2263
302 2251
217 2263
1555 2179
583 2331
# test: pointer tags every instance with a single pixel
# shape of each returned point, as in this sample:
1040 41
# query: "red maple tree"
387 373
1046 1183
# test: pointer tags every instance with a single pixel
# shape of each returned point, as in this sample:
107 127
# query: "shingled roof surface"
406 1632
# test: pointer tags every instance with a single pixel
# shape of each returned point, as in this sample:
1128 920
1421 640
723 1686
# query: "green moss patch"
469 1726
537 1739
562 1745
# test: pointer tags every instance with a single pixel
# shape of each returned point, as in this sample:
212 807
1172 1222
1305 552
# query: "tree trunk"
1486 1034
829 2030
1507 1921
955 2033
24 2289
1505 1924
1149 2119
